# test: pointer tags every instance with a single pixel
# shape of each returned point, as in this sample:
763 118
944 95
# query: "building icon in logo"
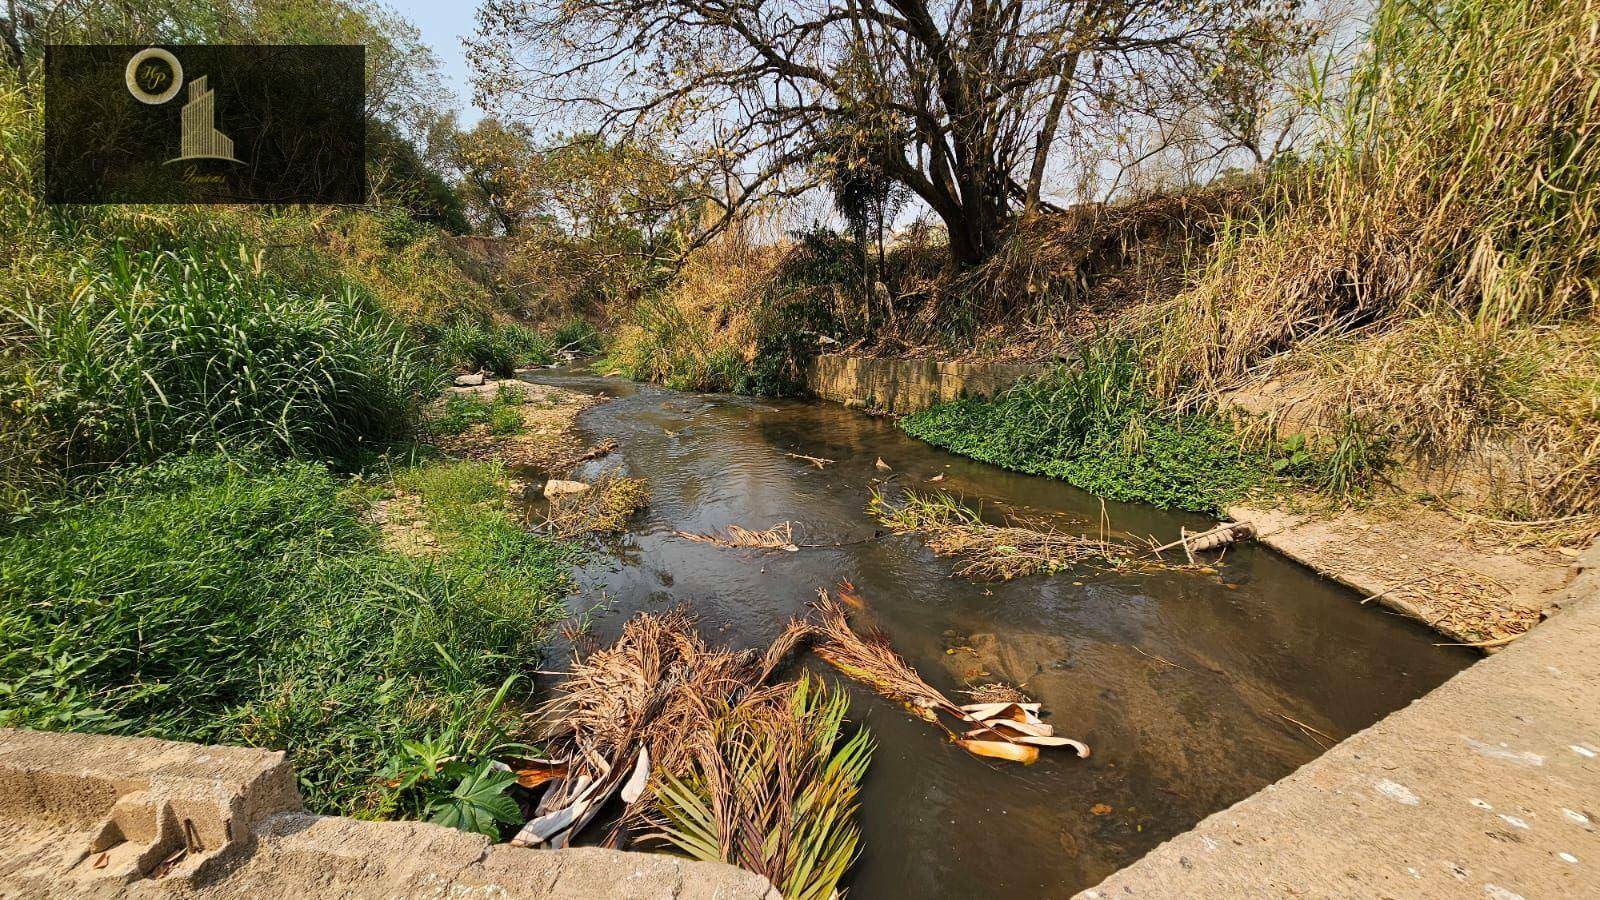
200 137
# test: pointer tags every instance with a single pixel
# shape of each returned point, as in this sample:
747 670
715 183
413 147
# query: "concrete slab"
108 817
1487 787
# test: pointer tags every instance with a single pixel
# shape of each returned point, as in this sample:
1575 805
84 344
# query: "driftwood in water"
1224 535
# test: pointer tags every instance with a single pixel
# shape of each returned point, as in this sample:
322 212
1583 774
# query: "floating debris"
992 552
1001 730
818 461
778 537
603 509
995 691
882 466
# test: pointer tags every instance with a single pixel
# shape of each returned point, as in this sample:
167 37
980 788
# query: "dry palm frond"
992 552
870 660
777 652
603 509
1001 730
647 693
644 706
774 792
778 537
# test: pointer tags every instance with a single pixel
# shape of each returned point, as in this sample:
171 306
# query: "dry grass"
1444 248
603 509
992 552
778 537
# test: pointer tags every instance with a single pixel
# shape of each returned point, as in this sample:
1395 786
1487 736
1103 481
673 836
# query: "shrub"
493 348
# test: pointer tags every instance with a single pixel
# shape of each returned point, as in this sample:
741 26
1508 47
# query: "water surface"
1183 684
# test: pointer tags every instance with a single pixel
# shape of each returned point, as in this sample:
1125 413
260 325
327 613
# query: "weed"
160 352
502 415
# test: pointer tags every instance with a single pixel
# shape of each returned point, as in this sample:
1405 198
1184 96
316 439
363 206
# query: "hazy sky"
444 23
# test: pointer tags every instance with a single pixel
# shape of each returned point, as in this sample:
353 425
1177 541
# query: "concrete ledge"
1487 787
92 816
903 386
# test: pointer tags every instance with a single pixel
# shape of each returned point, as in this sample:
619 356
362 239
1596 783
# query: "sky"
443 24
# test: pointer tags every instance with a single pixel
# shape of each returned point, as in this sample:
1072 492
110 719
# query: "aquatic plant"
1095 424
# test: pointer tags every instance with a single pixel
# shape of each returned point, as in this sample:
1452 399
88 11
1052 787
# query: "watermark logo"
205 124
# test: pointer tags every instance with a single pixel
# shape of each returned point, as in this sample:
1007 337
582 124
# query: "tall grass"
1458 187
154 353
227 601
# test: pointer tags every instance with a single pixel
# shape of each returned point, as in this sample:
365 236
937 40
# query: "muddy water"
1179 682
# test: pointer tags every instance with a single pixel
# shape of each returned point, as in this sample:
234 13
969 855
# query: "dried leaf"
1000 750
634 789
533 772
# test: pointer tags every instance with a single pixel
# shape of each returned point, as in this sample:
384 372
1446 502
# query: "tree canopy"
964 102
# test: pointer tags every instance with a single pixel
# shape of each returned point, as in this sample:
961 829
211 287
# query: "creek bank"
1467 584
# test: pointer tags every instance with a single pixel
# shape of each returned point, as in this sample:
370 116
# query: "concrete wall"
91 816
902 386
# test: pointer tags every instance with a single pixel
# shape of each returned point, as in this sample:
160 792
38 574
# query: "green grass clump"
219 601
577 336
462 411
493 348
1096 425
160 352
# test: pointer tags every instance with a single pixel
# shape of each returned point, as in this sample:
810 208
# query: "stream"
1184 684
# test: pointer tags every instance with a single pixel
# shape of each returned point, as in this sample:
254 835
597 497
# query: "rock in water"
557 487
473 380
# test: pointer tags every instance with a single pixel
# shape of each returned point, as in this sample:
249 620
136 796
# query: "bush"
214 600
161 352
577 336
496 348
1095 425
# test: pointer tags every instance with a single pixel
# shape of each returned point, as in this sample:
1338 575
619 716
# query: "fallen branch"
818 461
1221 536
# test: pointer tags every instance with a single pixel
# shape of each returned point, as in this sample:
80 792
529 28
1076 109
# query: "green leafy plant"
776 793
1096 424
479 802
1293 456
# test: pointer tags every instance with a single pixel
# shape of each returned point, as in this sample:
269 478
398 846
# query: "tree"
496 164
960 101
